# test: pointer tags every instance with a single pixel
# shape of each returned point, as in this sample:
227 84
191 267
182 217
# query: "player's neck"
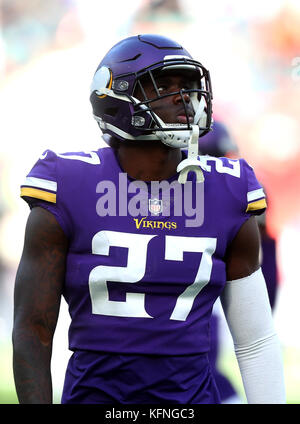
149 161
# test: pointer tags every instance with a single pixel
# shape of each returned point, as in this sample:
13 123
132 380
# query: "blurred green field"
291 357
228 364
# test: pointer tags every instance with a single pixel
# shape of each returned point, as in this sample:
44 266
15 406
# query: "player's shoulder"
50 162
224 166
92 157
238 179
52 168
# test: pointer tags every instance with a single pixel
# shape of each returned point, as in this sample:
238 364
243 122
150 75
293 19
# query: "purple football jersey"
142 284
110 378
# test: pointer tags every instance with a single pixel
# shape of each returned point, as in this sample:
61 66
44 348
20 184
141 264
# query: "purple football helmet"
122 71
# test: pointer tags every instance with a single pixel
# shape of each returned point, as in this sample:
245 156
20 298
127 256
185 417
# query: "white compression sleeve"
247 310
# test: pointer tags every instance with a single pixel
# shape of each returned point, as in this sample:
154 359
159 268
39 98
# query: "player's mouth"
183 119
185 115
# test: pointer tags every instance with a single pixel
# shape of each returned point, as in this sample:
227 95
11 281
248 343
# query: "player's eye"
162 88
187 86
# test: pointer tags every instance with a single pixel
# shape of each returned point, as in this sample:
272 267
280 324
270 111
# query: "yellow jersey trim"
259 204
38 194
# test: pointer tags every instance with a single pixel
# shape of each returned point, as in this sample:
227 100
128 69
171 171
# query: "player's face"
170 108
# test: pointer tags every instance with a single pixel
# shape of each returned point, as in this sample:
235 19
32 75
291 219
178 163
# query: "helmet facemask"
196 111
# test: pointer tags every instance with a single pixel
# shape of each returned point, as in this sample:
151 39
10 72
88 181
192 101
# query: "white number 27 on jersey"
137 245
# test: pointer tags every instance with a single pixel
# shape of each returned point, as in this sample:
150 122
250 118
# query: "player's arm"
38 289
242 258
247 309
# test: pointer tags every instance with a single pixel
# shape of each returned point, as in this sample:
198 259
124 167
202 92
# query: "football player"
141 239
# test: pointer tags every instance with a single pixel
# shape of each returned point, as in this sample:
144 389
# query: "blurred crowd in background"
48 54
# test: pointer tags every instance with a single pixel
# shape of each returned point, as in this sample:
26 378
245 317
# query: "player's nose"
179 97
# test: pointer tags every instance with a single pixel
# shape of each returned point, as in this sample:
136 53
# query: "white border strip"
40 183
255 194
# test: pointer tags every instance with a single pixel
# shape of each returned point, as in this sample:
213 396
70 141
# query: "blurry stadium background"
48 54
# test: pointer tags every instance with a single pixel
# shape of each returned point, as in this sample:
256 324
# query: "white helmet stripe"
108 92
107 126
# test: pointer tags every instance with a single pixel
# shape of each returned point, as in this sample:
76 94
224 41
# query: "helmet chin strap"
191 163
